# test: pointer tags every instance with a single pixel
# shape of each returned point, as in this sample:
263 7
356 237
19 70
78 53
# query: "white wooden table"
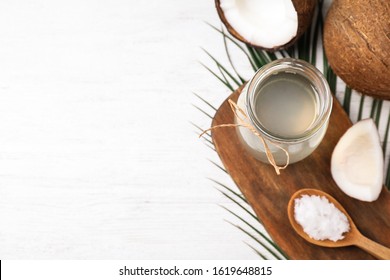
98 159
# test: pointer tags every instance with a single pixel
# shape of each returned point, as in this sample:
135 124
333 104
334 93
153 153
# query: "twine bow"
243 122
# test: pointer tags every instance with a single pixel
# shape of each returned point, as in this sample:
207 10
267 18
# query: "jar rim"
306 70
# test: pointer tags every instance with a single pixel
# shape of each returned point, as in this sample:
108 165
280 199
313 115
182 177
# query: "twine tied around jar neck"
244 122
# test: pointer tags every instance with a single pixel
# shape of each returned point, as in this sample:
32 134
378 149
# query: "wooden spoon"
353 237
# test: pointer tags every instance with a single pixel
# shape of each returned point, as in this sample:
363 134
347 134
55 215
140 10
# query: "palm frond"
378 112
207 133
373 108
264 57
256 251
360 113
316 32
304 47
226 83
203 111
223 75
258 56
210 143
222 68
274 248
210 147
347 99
243 200
272 56
206 137
240 205
231 61
261 243
220 167
386 137
284 53
240 196
332 80
237 44
204 101
387 181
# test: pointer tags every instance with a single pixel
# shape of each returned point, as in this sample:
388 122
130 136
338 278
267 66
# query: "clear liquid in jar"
285 105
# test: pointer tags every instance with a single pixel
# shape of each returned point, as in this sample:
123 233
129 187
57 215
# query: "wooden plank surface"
269 194
97 156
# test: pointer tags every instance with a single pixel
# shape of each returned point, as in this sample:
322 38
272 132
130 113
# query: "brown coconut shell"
357 44
305 11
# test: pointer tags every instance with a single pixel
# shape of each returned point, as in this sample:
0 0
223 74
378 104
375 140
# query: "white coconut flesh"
263 23
357 162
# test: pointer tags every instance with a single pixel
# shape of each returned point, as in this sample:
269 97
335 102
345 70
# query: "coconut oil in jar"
288 102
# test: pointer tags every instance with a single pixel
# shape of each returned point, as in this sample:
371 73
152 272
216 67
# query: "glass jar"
288 102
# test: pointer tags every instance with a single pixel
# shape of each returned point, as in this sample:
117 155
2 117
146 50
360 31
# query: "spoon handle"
377 250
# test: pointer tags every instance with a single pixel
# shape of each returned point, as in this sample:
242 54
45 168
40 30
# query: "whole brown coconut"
305 10
357 44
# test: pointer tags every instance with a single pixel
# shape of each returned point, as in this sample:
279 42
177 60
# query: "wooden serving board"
269 193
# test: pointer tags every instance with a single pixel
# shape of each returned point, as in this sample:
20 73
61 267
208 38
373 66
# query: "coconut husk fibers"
357 44
305 11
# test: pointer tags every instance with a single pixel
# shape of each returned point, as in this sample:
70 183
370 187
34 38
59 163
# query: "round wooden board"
269 193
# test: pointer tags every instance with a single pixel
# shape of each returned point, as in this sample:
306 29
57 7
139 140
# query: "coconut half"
269 25
357 162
